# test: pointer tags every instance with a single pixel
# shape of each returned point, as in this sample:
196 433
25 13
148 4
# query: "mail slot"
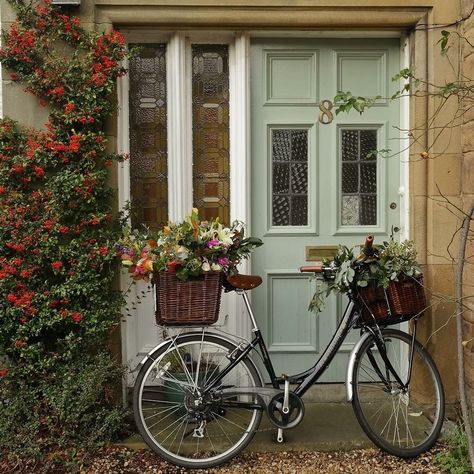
318 253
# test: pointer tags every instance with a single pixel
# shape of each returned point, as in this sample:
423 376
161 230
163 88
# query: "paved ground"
325 427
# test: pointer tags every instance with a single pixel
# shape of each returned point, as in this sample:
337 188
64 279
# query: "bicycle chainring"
290 419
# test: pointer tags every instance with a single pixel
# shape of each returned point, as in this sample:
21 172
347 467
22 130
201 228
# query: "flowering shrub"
189 249
57 305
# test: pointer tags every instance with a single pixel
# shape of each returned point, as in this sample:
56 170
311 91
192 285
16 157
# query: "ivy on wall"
57 305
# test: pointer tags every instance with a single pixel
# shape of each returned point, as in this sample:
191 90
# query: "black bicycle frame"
306 379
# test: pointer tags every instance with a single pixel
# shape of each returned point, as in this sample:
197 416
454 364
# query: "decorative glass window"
210 93
359 177
289 177
148 147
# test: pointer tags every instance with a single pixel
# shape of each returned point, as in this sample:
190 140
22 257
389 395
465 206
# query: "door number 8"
325 114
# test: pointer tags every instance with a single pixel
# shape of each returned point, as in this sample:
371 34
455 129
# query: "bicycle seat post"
249 309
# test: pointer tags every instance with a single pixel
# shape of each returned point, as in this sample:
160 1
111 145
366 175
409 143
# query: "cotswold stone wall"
468 196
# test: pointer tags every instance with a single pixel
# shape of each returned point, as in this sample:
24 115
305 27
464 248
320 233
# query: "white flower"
216 267
182 252
224 235
206 267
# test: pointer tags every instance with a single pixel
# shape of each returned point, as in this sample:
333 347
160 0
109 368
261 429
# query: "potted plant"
188 262
387 284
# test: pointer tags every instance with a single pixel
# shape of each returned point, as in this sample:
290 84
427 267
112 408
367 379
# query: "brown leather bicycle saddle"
245 282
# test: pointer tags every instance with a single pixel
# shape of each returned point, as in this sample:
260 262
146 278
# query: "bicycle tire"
165 411
404 423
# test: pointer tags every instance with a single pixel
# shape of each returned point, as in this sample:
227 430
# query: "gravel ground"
120 460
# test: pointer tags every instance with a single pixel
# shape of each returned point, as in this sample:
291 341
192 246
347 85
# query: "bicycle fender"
350 365
151 353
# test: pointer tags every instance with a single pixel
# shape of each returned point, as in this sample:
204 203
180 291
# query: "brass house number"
325 114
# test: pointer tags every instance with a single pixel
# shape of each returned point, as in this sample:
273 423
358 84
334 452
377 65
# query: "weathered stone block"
468 136
468 174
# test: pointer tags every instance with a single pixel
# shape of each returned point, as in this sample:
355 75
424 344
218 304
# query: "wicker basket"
193 302
405 297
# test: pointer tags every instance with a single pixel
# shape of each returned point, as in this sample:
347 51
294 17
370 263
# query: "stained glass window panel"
210 93
148 138
289 177
358 177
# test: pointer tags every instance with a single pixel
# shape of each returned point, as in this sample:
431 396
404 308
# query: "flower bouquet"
188 262
390 285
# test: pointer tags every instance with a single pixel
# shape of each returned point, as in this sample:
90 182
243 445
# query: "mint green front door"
315 182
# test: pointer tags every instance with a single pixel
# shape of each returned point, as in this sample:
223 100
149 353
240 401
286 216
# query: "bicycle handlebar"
312 269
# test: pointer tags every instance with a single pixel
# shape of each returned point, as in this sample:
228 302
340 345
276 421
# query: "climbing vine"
57 234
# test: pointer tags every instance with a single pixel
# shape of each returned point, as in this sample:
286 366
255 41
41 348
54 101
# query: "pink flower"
223 261
213 243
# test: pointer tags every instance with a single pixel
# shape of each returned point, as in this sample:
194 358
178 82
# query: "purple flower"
213 243
223 261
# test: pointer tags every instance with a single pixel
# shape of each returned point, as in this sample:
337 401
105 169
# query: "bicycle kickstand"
280 438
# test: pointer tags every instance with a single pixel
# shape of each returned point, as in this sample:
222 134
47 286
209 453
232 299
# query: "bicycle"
199 396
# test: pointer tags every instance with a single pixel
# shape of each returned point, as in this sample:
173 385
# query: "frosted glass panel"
358 177
289 177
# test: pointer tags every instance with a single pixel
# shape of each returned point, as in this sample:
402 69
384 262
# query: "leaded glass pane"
368 209
350 178
350 210
148 138
368 144
289 177
281 178
368 177
350 145
210 92
299 210
281 210
281 145
358 177
299 178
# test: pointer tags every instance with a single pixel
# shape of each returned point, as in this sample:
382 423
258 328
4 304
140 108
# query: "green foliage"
62 407
346 102
456 459
392 260
57 237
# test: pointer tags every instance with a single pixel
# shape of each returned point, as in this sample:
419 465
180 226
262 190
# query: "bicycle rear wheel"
180 422
402 421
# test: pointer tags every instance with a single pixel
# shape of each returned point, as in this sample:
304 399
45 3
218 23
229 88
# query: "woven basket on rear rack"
406 298
192 302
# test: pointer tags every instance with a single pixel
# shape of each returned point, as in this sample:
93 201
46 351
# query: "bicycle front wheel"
178 419
401 420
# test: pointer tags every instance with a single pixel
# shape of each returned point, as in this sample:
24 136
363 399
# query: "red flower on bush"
3 372
76 317
58 91
69 107
57 265
39 172
20 344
